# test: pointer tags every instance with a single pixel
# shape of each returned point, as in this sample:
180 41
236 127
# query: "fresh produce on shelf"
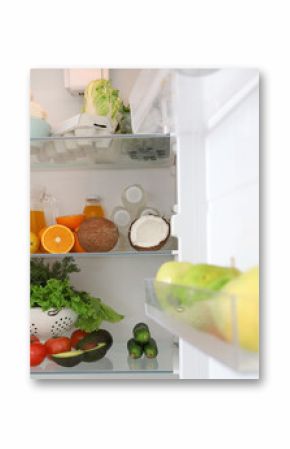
41 272
34 339
150 349
141 333
98 235
57 239
100 98
92 339
201 278
71 221
77 248
242 294
135 349
76 336
68 359
96 353
142 343
57 344
149 233
37 353
51 289
34 243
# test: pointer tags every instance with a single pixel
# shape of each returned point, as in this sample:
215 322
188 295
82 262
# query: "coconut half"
149 233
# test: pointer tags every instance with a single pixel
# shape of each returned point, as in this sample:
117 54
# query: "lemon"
34 243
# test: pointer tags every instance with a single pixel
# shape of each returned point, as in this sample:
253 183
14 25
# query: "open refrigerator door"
214 116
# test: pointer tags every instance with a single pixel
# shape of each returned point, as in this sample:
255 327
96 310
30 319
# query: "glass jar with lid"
93 207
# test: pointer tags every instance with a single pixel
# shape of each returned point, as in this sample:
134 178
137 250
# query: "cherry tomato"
76 336
34 339
37 353
57 344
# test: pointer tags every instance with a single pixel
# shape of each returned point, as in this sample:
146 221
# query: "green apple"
180 286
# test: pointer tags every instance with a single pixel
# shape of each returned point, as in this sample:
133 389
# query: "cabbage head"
100 98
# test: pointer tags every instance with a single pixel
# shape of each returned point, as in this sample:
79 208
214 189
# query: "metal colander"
52 323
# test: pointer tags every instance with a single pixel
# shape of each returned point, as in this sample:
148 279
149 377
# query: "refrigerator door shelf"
196 317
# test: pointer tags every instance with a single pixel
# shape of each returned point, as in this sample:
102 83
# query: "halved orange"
71 221
77 248
57 239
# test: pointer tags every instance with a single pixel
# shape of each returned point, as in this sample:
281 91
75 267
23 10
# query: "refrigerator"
194 150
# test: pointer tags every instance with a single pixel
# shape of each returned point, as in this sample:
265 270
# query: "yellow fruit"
238 305
34 243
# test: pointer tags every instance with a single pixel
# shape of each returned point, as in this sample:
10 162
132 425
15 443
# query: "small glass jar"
93 207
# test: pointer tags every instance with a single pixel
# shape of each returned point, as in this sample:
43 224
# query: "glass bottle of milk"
122 219
134 199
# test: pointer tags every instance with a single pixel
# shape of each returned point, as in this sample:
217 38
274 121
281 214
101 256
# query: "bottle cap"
93 197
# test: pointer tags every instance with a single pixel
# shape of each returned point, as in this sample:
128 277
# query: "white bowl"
52 323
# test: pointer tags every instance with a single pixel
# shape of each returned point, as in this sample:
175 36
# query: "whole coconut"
98 235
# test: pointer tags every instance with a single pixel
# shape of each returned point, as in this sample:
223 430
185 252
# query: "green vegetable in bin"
141 333
135 349
150 349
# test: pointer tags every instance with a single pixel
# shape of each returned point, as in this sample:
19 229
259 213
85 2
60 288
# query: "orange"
34 243
57 239
77 248
71 221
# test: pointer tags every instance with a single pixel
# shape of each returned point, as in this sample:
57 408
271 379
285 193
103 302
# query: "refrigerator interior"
117 278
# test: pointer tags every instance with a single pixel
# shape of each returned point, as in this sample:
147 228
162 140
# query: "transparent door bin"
208 320
106 151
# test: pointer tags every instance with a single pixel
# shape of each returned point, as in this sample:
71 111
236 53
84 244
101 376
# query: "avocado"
94 338
96 353
68 359
141 333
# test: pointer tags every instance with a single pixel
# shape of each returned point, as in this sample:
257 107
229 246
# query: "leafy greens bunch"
50 289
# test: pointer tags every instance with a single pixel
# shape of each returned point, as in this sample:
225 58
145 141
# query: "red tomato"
37 353
76 336
34 339
57 344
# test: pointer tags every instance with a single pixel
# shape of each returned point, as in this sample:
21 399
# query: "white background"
201 414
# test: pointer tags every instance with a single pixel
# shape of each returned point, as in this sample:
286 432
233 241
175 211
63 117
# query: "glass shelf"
193 315
160 253
105 151
115 365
